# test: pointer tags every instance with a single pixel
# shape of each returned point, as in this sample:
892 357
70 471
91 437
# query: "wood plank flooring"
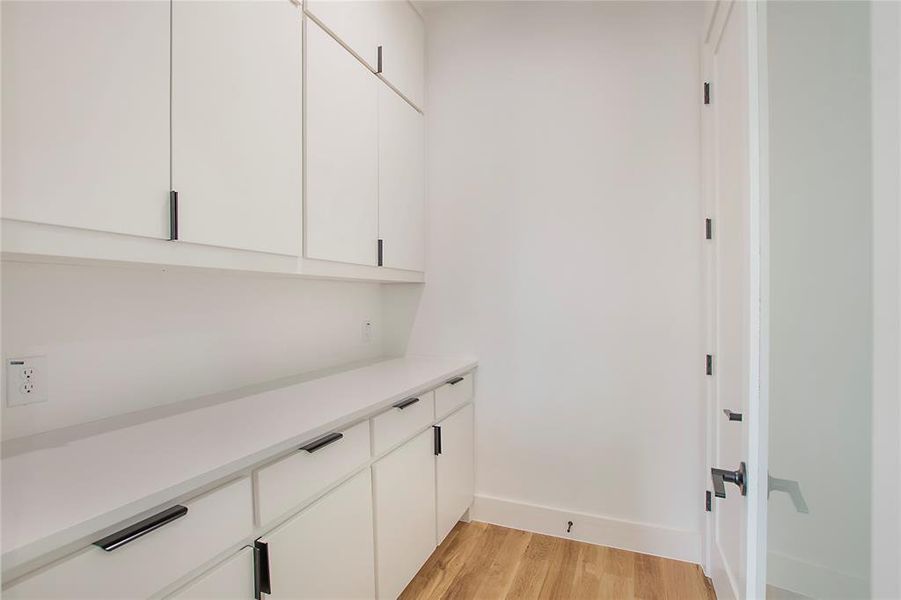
487 562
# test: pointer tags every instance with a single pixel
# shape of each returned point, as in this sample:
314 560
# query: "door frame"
758 236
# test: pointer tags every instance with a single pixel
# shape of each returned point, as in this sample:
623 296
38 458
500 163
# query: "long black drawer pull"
322 442
133 532
437 430
173 215
405 403
455 381
262 582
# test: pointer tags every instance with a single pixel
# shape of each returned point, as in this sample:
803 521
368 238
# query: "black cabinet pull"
455 380
141 528
319 444
437 430
405 403
378 64
380 251
262 582
173 215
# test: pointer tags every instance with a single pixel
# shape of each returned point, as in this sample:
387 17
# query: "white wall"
565 252
119 340
821 295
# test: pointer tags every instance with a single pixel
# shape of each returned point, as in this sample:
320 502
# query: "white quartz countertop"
61 496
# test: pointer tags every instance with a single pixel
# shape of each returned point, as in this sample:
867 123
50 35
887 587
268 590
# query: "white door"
732 320
341 153
236 123
404 483
327 550
86 115
230 580
455 469
401 182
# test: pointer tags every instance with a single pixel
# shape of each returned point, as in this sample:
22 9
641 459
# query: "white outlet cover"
26 380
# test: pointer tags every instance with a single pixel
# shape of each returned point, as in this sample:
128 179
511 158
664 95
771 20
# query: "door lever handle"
722 476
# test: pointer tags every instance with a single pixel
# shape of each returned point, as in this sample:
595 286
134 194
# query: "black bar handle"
378 68
455 381
262 581
437 430
319 444
405 403
173 215
380 259
141 528
732 416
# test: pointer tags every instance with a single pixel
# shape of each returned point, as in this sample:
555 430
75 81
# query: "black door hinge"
706 92
437 430
381 251
708 229
710 364
378 68
173 215
261 579
708 501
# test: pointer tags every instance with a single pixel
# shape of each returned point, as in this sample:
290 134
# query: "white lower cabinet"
173 544
230 580
404 483
327 550
455 469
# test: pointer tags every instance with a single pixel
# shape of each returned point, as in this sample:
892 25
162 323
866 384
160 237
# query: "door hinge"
710 364
381 252
706 92
262 583
708 501
173 215
378 68
708 229
437 430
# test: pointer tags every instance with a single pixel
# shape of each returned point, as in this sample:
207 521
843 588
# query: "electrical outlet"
366 331
26 380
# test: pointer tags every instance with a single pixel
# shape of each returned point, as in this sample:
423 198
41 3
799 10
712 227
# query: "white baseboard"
814 581
594 529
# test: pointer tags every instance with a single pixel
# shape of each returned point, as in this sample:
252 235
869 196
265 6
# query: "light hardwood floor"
488 562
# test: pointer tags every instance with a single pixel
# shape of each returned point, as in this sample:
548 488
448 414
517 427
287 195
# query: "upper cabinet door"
401 182
237 113
402 37
341 153
86 114
354 22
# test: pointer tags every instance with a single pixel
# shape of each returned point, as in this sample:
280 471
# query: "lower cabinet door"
230 580
327 550
404 484
455 469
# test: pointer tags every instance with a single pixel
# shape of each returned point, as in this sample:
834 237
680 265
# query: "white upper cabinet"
86 115
237 123
402 37
401 182
341 153
354 22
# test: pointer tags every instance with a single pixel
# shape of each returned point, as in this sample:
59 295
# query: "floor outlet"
26 380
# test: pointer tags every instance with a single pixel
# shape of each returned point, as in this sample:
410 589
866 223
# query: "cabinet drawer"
399 423
456 392
230 580
293 480
141 567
